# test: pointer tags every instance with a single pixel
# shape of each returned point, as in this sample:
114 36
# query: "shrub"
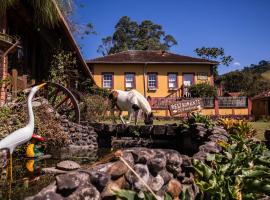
202 90
198 118
239 127
63 66
13 117
240 172
94 107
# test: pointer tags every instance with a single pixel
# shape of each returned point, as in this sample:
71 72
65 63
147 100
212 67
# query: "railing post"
216 106
24 79
14 83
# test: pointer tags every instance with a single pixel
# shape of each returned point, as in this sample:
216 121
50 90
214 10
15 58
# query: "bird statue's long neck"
30 109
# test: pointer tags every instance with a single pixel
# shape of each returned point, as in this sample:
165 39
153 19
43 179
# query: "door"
268 105
188 80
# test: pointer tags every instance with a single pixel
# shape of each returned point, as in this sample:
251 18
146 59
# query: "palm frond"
6 4
45 12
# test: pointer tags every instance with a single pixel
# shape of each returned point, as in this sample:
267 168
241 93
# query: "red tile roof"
233 94
137 56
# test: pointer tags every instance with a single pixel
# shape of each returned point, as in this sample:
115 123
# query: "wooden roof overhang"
71 39
262 96
49 34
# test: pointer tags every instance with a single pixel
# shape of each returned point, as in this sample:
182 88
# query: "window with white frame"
172 80
108 80
130 80
152 81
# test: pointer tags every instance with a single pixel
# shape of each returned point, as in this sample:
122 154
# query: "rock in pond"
117 169
67 165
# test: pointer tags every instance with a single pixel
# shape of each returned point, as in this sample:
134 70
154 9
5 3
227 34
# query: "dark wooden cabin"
26 48
261 105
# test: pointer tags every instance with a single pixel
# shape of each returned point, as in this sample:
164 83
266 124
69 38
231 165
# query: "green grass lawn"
260 127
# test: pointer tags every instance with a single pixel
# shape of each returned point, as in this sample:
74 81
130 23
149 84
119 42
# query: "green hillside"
250 81
266 75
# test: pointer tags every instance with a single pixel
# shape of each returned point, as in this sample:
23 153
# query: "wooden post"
216 106
24 79
249 106
14 83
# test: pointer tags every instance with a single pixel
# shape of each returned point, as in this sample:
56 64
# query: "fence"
232 102
16 84
219 105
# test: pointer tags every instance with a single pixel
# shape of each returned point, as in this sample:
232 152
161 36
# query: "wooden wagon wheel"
63 101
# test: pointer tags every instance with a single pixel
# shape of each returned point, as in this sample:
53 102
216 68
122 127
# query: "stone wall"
83 141
173 136
163 170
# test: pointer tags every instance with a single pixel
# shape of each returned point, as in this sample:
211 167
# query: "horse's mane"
143 103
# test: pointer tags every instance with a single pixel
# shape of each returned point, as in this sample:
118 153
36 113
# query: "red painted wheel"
63 101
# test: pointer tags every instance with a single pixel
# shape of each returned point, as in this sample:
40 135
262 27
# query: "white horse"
131 101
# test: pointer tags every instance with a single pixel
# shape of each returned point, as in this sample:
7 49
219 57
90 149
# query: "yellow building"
163 78
152 73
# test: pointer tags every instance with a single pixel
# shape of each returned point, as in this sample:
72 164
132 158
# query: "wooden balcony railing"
17 84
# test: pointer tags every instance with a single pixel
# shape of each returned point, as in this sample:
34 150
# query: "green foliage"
240 172
13 117
129 35
45 12
94 107
251 80
238 127
63 67
214 53
198 118
95 90
202 90
5 81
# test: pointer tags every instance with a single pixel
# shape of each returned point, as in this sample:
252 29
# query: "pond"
28 178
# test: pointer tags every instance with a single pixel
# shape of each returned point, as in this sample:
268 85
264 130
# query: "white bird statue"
24 134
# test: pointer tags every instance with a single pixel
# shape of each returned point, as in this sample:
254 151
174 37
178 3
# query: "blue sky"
241 27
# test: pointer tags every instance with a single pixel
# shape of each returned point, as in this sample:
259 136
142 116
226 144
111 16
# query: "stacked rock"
215 136
164 171
83 141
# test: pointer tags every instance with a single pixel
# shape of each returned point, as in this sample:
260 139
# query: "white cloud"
237 64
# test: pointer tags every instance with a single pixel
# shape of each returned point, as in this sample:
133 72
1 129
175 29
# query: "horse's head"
149 118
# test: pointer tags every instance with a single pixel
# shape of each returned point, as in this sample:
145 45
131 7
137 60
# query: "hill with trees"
250 81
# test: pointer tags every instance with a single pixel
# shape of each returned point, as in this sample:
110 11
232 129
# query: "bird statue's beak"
41 85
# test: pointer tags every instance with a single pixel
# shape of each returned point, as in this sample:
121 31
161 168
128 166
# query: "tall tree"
129 35
214 53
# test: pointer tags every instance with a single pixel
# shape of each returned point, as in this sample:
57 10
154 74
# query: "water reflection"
25 173
28 178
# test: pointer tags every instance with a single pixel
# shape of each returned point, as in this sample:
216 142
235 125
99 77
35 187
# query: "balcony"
7 41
